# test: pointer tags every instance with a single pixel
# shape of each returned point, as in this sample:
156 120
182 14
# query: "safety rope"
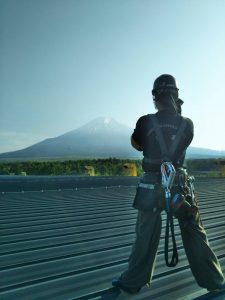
170 227
168 175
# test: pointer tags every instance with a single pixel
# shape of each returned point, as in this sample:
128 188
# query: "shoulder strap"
158 132
178 137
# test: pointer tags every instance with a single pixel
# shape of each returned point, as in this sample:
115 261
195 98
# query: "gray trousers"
203 262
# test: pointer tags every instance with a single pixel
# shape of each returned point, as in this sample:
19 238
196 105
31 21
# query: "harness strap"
170 227
167 154
176 142
161 140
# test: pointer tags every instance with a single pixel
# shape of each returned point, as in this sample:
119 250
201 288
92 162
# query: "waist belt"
150 178
154 161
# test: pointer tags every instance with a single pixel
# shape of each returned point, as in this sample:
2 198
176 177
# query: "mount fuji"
101 138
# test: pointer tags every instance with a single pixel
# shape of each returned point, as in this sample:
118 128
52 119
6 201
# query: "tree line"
102 167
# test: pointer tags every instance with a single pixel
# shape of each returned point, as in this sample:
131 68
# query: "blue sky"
66 62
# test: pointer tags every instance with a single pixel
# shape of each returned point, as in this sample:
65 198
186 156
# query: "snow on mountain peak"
101 125
107 120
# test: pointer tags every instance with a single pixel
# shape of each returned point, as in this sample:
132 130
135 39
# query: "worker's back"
145 136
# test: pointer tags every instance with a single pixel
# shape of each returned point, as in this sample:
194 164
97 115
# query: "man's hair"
168 100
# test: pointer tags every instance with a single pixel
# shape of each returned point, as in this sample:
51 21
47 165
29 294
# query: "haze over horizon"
65 63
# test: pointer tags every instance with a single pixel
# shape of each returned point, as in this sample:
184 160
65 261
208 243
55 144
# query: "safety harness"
168 174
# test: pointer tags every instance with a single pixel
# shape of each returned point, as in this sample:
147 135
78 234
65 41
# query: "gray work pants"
203 262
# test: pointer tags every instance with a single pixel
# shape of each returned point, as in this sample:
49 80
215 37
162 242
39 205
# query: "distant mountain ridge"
101 138
196 152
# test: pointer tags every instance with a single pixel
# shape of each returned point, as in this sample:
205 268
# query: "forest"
102 167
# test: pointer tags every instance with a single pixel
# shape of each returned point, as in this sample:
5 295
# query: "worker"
202 260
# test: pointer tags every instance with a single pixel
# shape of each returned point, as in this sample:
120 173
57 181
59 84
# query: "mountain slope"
195 152
100 138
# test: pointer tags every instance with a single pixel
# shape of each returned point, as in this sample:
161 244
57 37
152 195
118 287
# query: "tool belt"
150 194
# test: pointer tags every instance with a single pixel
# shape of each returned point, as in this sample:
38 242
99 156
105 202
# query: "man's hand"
135 144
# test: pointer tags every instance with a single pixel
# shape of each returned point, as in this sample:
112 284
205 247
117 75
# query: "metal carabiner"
168 174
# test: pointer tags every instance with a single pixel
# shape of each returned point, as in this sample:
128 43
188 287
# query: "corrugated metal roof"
69 244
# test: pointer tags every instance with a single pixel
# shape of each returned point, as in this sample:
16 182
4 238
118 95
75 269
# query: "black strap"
166 153
156 161
158 132
176 142
170 226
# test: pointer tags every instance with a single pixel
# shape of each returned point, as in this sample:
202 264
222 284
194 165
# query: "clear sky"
66 62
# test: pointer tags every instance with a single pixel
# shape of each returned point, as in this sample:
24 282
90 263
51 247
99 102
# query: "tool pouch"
183 204
148 193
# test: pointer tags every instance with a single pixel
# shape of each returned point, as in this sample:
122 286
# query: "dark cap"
164 82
